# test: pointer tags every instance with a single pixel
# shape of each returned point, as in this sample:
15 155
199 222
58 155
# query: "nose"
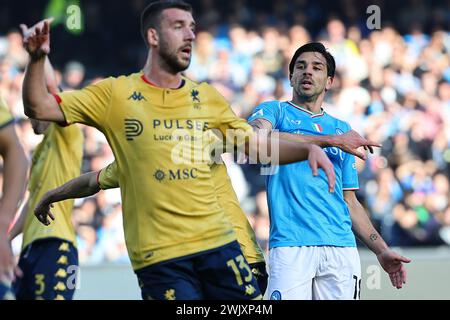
308 70
190 35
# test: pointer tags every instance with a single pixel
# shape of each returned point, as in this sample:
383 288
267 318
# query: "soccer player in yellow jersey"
90 183
180 243
15 166
49 258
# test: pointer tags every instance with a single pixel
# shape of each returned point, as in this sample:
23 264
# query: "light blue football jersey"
302 211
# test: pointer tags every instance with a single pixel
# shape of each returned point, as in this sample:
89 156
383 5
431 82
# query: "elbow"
29 108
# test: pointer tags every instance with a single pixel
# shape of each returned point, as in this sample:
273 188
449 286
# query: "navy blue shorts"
49 269
220 273
260 273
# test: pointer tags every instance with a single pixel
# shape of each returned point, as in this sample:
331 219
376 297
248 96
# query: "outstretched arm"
348 142
38 102
391 261
83 186
265 149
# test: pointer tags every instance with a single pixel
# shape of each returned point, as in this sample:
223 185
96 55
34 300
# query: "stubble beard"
170 60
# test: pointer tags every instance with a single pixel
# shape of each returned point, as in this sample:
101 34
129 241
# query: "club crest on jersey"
317 127
276 295
136 96
195 98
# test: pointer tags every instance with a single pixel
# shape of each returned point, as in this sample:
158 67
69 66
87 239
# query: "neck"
160 76
312 104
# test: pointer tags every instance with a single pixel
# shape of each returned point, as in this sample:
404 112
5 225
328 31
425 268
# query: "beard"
170 59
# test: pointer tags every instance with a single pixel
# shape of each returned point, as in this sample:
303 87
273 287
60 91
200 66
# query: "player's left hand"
351 141
392 263
318 159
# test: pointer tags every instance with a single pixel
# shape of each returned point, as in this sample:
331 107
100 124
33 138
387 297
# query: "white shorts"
317 273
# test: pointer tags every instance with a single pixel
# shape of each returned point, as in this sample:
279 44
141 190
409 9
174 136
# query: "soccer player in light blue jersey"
313 252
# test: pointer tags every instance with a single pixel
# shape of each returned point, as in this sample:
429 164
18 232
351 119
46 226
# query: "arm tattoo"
373 237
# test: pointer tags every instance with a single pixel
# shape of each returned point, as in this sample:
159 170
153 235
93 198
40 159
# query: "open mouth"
187 51
307 84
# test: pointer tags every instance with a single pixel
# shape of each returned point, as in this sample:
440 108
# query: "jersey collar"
312 115
144 78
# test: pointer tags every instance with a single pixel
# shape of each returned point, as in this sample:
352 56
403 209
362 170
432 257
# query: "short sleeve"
108 177
235 130
87 106
269 111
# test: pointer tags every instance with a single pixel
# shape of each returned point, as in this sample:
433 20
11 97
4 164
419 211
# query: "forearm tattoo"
373 237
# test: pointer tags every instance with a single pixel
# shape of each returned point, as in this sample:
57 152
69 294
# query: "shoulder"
341 126
207 93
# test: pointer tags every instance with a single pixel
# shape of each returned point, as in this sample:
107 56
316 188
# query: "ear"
152 37
290 81
329 83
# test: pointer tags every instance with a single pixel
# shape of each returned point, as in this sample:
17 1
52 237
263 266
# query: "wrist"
37 57
332 141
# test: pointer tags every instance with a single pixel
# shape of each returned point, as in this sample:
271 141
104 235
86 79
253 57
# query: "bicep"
49 110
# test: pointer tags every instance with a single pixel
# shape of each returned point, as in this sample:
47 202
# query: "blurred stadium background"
392 86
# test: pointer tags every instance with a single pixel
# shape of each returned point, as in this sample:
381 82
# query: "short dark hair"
150 17
314 47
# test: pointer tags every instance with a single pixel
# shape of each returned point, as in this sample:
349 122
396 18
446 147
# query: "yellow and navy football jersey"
5 116
107 179
169 203
56 160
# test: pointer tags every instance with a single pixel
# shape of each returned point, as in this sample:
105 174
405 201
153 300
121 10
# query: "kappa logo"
136 96
259 113
133 128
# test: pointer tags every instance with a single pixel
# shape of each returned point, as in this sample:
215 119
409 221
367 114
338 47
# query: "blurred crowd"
392 86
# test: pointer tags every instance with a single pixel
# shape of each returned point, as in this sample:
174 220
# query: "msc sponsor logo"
133 128
174 175
136 96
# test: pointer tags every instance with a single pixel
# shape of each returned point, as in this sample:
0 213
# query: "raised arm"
38 102
391 261
83 186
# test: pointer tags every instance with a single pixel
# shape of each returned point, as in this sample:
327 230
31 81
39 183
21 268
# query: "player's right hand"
42 212
36 39
318 159
351 141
